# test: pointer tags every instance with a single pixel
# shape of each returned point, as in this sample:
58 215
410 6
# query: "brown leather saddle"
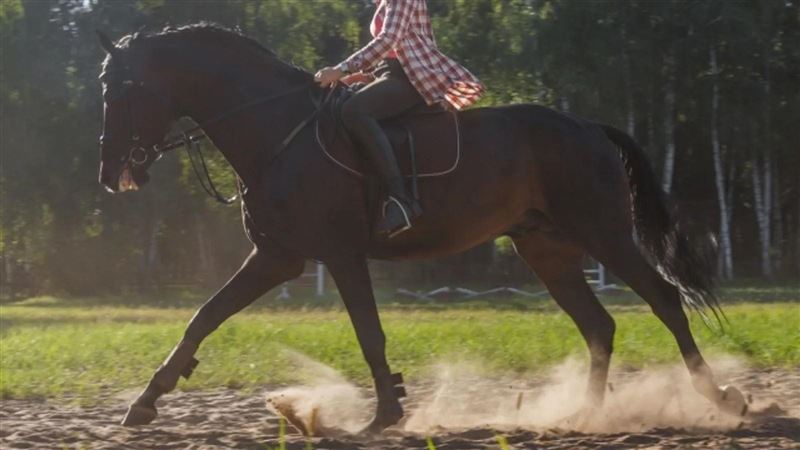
426 140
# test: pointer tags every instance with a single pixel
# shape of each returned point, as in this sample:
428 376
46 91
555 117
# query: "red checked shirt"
406 30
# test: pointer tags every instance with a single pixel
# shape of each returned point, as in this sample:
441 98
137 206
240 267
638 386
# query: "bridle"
139 155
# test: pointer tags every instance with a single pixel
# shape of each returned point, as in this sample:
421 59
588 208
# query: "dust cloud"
325 404
459 396
636 401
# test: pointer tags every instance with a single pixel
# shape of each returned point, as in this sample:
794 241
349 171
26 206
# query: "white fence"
318 273
595 276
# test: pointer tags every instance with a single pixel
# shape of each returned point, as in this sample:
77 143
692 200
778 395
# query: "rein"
189 139
176 142
208 185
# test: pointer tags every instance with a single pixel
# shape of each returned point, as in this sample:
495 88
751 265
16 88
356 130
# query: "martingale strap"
207 184
191 141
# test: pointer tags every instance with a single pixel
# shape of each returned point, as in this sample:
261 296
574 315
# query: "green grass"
50 347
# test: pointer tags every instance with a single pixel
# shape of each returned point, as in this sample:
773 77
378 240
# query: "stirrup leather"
405 227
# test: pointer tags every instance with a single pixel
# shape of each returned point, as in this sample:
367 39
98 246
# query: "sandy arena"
459 409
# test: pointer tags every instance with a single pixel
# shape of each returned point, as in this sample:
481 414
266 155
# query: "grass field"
51 346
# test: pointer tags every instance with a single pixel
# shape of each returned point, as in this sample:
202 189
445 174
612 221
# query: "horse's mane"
215 33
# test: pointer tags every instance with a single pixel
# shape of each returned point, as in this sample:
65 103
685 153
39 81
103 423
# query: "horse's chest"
315 216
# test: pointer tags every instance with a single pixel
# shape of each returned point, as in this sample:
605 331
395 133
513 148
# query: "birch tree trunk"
726 268
206 266
651 130
150 225
151 254
669 122
762 193
762 178
627 81
6 291
564 104
797 241
777 219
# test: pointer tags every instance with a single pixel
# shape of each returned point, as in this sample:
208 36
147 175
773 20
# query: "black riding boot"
400 209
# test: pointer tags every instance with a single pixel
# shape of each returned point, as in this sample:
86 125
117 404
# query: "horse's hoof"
384 419
375 427
580 419
732 401
139 415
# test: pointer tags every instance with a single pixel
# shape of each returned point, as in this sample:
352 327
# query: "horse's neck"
242 136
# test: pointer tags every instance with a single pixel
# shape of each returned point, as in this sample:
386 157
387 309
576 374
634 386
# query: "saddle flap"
426 135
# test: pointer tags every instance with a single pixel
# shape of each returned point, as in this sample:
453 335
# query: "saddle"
429 127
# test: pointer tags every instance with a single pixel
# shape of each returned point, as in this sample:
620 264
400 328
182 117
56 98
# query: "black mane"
211 32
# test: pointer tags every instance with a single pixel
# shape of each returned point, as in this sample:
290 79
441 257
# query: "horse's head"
136 117
199 71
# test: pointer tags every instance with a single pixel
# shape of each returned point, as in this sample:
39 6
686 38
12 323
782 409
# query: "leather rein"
189 139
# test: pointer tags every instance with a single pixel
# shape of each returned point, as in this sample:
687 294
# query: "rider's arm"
395 23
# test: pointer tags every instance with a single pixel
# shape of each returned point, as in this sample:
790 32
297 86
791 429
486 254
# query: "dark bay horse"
560 186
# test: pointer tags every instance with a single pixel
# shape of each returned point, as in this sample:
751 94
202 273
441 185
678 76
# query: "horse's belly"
428 246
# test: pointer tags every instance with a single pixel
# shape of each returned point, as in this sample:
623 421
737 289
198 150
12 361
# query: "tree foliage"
615 61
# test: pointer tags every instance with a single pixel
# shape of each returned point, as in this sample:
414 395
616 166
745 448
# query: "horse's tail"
686 261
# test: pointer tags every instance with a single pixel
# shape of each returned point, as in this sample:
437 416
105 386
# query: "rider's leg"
385 97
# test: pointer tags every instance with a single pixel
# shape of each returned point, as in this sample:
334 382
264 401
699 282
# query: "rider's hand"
328 76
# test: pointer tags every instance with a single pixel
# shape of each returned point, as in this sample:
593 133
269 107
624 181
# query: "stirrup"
407 226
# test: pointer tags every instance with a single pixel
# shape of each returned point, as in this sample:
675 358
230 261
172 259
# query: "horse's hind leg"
624 259
263 270
558 264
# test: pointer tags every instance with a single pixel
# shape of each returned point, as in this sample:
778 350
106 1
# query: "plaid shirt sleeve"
396 20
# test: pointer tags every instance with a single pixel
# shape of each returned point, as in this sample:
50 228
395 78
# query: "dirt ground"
234 419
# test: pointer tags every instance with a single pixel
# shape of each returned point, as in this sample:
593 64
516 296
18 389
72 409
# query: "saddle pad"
436 137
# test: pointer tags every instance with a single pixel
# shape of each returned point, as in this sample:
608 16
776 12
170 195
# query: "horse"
560 186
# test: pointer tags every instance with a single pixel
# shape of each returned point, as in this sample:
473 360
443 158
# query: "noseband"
189 139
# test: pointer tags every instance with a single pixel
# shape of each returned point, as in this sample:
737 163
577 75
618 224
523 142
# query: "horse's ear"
106 43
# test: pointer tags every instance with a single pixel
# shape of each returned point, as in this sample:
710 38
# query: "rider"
407 69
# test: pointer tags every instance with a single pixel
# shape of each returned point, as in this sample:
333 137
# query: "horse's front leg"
261 271
353 280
